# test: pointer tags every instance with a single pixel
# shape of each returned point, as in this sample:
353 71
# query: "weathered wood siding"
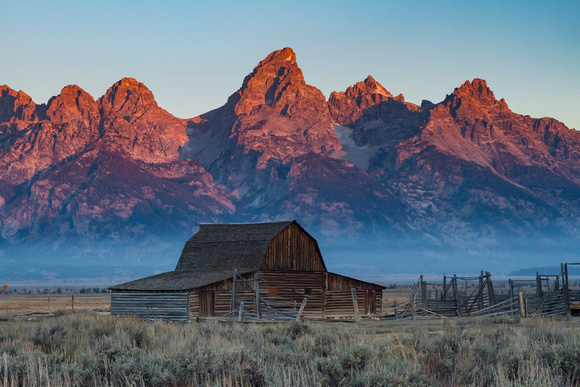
173 306
193 304
379 302
292 287
339 303
339 282
339 297
293 249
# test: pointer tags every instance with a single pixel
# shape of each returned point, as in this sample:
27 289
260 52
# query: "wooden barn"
280 261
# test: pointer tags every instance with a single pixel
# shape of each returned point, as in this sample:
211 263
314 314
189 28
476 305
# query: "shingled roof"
175 281
212 255
229 246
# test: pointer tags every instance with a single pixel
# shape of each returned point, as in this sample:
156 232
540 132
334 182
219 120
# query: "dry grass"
14 305
399 295
90 349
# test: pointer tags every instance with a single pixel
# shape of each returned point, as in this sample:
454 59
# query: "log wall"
292 287
173 306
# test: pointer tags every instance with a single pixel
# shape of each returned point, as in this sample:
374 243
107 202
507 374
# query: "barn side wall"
293 287
286 287
327 294
339 300
293 249
171 306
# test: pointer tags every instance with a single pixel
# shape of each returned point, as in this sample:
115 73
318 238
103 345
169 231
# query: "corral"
475 296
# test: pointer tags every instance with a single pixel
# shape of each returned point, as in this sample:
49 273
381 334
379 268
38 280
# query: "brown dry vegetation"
91 349
14 305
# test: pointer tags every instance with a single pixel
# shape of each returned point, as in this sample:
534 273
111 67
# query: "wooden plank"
355 304
522 306
167 305
299 316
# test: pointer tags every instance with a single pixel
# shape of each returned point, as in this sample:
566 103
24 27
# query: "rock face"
80 168
467 167
274 115
271 134
463 171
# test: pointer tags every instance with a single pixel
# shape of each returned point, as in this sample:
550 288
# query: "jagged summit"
15 105
284 55
128 97
269 82
369 85
474 98
72 103
476 89
349 106
274 115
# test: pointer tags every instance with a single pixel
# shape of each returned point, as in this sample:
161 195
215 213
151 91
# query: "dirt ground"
14 305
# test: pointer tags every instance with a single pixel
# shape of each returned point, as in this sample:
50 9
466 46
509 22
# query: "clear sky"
193 55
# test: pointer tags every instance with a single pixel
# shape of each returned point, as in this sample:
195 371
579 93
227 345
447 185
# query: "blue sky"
193 55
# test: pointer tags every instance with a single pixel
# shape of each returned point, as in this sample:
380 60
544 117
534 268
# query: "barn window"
273 292
308 291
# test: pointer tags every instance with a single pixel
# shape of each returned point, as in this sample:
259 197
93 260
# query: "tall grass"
89 350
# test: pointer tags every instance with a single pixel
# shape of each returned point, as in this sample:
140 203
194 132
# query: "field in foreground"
91 349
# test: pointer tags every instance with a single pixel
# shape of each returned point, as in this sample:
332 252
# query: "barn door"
206 303
370 302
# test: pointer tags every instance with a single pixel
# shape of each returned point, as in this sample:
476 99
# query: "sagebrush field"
86 349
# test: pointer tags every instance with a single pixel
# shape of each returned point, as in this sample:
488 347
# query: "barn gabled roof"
212 255
229 246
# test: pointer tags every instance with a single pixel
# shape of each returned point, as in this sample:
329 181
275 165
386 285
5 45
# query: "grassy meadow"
85 349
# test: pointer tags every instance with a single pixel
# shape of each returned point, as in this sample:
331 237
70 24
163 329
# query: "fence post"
234 287
240 315
480 298
256 284
299 315
355 304
424 302
413 307
522 307
567 287
490 290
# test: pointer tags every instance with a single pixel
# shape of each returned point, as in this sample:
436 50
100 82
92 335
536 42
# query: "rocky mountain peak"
367 87
275 116
475 98
274 82
15 105
348 106
476 89
72 103
279 56
127 97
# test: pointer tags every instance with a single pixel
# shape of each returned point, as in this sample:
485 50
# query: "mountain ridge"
462 172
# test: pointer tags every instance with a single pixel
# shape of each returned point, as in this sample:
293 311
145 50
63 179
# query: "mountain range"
119 176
